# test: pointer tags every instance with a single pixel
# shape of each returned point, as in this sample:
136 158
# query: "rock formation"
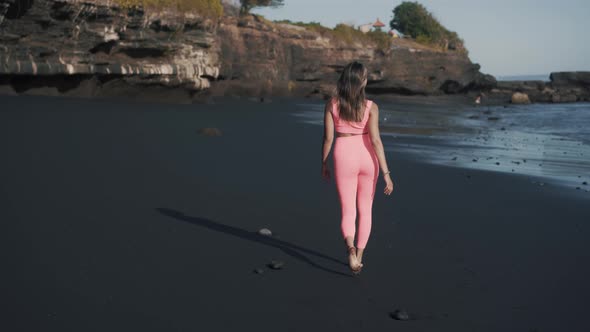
96 48
275 58
562 87
63 43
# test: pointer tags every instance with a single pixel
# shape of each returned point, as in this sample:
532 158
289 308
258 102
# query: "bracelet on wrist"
385 173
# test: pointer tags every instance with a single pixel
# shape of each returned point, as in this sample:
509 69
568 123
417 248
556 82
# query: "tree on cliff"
249 4
412 18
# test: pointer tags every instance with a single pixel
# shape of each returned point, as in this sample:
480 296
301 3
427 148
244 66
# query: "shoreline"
167 95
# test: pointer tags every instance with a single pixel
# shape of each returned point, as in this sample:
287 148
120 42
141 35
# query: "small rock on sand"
265 232
210 131
400 314
276 265
258 271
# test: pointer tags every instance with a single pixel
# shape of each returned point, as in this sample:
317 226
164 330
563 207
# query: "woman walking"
358 154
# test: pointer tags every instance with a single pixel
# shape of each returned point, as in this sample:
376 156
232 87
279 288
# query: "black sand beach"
120 216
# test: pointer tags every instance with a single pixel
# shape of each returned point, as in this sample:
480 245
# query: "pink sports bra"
343 126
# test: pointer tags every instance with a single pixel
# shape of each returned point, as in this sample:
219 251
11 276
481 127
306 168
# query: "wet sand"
119 216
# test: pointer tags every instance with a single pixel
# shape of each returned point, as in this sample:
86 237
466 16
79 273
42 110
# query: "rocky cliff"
64 44
95 48
275 58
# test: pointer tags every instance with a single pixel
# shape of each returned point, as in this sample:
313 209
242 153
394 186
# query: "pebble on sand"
276 265
210 131
265 232
258 271
400 314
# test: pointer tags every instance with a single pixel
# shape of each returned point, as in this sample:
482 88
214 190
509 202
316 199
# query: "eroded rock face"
268 58
62 43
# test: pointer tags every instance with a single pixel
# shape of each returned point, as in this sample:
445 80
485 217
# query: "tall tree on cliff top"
249 4
413 19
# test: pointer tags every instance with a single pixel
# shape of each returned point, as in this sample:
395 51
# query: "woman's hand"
388 185
325 172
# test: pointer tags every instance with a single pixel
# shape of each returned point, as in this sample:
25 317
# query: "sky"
518 37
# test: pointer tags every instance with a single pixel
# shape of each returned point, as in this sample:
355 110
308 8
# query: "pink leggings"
356 169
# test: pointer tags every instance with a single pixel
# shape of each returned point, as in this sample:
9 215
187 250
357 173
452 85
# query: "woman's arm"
378 145
327 140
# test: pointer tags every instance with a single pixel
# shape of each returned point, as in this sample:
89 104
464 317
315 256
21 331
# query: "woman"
358 154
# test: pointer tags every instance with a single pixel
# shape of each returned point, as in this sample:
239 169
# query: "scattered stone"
276 265
541 183
585 183
210 131
502 128
454 158
469 176
474 160
577 188
516 162
400 314
497 163
493 118
265 232
474 117
520 98
258 271
487 112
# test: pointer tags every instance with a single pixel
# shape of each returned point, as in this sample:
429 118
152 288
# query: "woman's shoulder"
374 108
331 103
372 104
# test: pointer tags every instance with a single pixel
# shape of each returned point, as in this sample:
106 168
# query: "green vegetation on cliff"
207 8
347 34
413 19
249 4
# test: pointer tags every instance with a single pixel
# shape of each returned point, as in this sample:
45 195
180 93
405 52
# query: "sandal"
352 250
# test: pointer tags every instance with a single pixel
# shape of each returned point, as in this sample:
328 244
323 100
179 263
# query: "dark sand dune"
119 216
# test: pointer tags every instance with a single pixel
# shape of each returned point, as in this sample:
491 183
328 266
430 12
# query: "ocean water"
550 143
541 77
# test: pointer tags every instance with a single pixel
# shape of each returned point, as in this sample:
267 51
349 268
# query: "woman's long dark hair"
351 92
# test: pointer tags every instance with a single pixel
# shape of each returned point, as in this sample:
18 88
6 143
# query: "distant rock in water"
520 98
574 78
564 87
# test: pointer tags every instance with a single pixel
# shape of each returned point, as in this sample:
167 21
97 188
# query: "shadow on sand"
289 248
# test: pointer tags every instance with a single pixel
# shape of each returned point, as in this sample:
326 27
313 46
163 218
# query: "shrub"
207 8
412 18
249 4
